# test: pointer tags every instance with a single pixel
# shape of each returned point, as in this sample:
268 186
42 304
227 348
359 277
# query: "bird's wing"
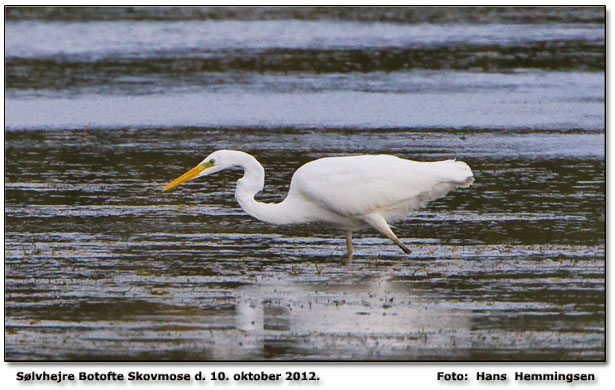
359 185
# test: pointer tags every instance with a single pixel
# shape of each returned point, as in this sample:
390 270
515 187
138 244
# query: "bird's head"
213 163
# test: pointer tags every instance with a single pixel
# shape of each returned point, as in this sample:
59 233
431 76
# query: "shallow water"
100 264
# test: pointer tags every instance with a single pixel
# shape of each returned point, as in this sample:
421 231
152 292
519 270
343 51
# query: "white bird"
351 192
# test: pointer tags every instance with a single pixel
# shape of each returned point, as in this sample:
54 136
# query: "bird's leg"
378 222
349 244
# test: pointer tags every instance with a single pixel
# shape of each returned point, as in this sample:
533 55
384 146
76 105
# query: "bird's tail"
458 172
465 172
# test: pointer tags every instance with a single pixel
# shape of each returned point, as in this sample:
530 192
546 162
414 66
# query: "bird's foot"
403 247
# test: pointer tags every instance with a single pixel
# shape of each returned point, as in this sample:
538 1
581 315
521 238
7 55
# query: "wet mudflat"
99 264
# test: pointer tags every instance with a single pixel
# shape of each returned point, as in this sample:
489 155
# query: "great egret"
350 192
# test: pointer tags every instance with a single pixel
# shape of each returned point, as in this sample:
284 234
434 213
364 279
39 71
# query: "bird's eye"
212 161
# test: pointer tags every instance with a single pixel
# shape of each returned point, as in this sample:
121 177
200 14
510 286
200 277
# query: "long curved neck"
250 184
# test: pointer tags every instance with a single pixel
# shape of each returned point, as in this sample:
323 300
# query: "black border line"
341 361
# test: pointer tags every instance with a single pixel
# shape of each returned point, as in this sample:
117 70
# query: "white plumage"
350 192
358 185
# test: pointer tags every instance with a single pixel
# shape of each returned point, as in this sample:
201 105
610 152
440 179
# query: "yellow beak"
191 174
